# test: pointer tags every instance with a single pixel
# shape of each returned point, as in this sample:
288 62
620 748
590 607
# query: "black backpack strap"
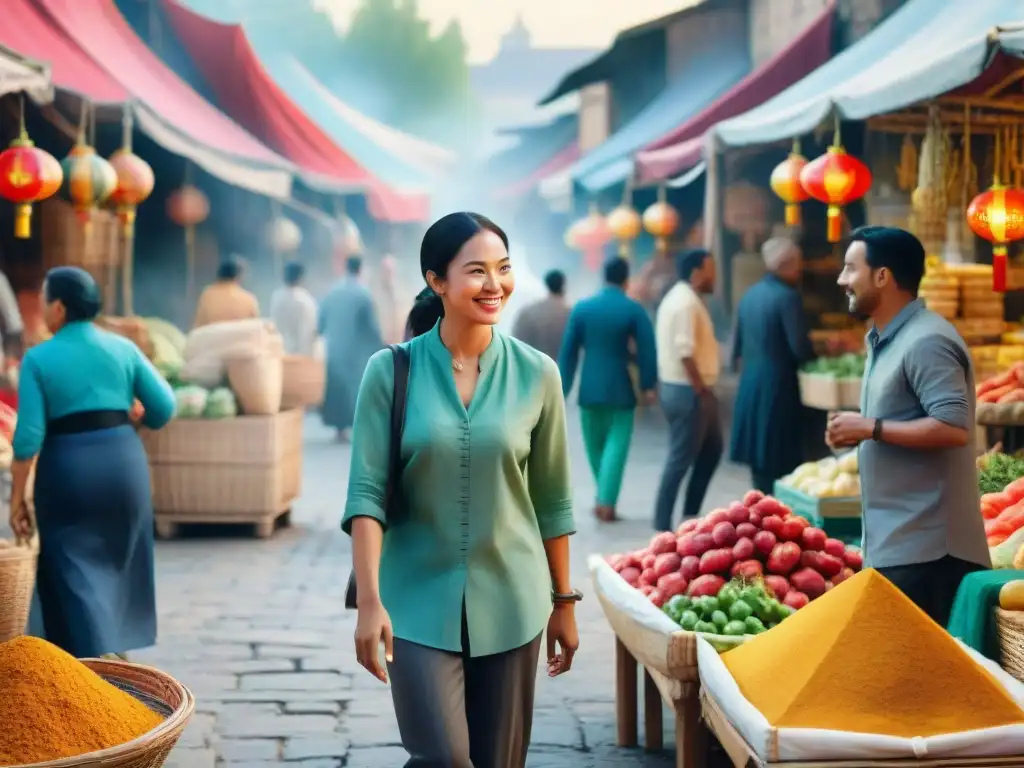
401 361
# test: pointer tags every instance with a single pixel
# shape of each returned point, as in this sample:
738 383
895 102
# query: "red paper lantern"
997 215
625 225
188 206
592 236
661 220
134 184
785 182
88 179
836 179
27 175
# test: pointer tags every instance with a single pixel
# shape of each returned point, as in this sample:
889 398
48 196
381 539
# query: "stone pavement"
258 631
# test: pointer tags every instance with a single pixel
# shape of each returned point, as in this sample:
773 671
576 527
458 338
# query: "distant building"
510 85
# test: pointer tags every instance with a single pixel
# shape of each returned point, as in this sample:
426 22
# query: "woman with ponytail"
462 559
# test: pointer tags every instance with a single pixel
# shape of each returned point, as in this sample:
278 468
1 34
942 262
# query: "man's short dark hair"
895 249
293 273
354 264
555 281
616 271
690 261
230 268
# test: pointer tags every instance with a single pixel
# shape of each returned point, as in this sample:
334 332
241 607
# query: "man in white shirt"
293 310
688 368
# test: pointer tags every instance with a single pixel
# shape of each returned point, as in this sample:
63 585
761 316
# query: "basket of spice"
59 712
17 583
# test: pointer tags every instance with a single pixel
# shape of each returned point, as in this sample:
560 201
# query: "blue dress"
95 583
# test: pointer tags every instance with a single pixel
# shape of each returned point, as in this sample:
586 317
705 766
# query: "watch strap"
567 597
876 432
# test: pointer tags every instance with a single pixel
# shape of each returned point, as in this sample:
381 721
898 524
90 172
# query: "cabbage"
221 404
166 357
159 328
191 402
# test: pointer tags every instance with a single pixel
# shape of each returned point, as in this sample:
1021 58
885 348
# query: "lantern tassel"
835 223
793 214
999 268
23 221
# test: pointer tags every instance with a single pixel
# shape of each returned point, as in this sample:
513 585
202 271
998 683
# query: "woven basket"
304 381
17 583
1010 629
158 691
257 382
239 440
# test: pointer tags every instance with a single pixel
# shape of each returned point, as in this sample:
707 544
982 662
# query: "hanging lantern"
836 179
997 215
187 206
285 235
661 220
785 182
134 184
347 236
625 225
27 175
88 179
592 236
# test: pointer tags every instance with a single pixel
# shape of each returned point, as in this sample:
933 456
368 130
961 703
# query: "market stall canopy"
708 75
682 148
166 108
561 161
243 86
535 150
18 73
923 50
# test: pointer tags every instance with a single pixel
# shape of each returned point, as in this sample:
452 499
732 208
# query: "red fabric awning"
225 57
560 161
29 31
100 30
681 148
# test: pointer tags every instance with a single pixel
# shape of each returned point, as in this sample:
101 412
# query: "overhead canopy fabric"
20 74
166 106
923 50
707 77
226 59
682 148
562 160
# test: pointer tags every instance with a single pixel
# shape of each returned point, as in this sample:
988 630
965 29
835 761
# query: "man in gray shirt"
915 431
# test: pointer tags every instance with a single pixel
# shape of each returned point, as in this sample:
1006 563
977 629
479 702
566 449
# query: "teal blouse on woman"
481 490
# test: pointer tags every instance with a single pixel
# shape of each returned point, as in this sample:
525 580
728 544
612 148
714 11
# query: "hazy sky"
553 23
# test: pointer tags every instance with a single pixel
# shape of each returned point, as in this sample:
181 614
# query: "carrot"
998 528
988 512
999 501
993 395
995 541
1015 490
1016 396
995 382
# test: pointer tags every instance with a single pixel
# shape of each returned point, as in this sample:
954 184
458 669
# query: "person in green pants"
605 329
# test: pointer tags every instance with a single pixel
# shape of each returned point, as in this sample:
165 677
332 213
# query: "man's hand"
847 429
650 397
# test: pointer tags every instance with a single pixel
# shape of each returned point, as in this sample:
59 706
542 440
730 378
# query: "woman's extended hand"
137 412
21 518
562 630
373 625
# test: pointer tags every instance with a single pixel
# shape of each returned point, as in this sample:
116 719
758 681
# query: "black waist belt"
87 421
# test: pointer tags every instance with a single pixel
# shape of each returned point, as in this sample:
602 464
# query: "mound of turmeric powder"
863 658
53 706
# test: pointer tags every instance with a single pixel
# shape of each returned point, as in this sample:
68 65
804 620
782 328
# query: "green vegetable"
677 604
740 611
709 605
750 596
728 595
220 404
689 620
190 401
719 619
997 471
707 627
848 366
754 625
735 628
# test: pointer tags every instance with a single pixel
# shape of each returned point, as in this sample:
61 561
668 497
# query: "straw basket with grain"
17 583
1010 630
257 381
158 691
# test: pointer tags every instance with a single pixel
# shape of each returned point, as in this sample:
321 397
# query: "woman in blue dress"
94 512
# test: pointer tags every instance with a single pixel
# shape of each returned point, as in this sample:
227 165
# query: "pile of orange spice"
53 706
863 658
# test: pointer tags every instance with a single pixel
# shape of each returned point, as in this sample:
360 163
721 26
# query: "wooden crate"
239 440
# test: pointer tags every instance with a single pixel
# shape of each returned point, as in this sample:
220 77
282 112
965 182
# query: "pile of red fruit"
757 538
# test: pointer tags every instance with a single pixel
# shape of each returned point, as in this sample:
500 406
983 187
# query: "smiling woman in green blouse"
461 587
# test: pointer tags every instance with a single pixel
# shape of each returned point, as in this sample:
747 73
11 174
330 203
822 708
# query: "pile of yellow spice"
863 658
53 706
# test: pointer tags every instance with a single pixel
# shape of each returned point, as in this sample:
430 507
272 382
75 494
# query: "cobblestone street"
258 631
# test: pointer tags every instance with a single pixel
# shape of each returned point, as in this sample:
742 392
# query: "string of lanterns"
594 232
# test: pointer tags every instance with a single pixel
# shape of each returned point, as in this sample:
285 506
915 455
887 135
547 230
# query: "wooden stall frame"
742 754
690 733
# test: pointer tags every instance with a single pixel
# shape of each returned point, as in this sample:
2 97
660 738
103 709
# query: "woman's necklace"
457 365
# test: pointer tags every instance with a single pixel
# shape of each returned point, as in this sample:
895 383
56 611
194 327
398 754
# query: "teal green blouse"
481 490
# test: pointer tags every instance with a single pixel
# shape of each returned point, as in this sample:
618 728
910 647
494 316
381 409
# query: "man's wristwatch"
566 597
876 432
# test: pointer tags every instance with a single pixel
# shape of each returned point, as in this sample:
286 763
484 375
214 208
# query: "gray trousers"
694 441
455 711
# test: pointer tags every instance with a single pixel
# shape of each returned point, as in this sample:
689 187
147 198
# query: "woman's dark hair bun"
425 313
77 290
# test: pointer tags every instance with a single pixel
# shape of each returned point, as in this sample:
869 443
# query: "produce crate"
238 440
999 414
849 393
838 517
819 391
